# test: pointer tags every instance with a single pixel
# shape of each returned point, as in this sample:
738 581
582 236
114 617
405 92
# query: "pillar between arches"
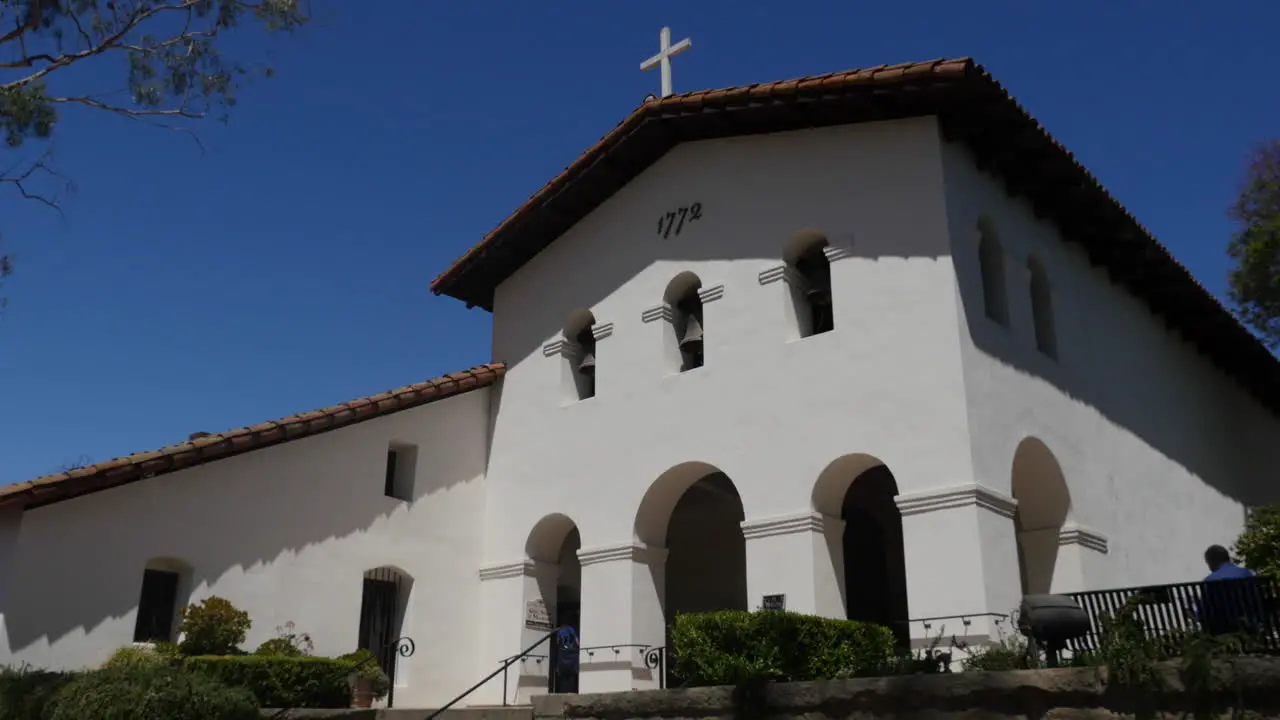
962 563
509 592
799 555
622 591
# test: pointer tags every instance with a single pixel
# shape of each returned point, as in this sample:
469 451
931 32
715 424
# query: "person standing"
567 651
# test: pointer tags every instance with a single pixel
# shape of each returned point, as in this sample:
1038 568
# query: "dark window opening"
157 607
585 372
814 267
689 325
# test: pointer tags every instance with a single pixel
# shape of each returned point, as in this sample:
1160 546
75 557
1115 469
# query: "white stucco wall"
1159 449
284 533
769 412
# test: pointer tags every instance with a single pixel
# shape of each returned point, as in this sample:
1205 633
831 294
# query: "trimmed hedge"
731 647
144 691
280 681
25 694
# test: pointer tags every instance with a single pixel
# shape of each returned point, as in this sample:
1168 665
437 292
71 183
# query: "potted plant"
368 681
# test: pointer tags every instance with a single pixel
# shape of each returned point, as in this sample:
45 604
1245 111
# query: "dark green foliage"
213 627
1254 282
1258 547
279 681
151 692
278 647
735 648
26 694
365 666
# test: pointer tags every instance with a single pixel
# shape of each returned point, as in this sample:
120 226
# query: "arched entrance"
695 512
1043 506
860 490
553 545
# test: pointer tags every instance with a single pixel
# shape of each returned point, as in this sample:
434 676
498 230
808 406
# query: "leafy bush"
287 643
1258 547
136 655
25 693
733 647
213 627
279 681
364 665
151 692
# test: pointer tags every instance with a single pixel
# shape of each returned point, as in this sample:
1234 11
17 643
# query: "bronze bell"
691 341
588 364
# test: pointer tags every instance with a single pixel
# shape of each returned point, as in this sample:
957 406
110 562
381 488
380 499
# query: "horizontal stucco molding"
1085 537
621 552
957 496
809 521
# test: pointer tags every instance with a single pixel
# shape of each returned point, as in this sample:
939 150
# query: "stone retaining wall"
1063 694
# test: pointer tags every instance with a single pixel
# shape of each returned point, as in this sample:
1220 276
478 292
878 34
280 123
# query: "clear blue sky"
287 268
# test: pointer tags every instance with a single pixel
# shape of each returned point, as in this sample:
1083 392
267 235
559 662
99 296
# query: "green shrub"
365 666
734 647
279 681
151 692
1258 547
287 643
213 627
136 655
25 693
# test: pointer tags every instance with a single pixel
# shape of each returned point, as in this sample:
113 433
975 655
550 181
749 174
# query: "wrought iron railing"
527 652
1248 605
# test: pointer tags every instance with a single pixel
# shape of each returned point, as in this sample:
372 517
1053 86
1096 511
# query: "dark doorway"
875 577
565 654
380 620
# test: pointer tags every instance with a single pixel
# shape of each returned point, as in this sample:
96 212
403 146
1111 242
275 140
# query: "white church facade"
872 342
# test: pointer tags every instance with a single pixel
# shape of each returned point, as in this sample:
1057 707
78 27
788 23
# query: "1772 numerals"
673 222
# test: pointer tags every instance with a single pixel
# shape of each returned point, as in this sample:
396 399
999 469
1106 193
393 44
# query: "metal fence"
1249 605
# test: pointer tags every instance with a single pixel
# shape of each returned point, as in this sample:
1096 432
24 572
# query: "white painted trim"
502 571
836 252
658 312
783 525
711 294
1085 537
555 347
957 496
633 552
600 331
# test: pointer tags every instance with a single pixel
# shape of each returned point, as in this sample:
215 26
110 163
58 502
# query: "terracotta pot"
362 693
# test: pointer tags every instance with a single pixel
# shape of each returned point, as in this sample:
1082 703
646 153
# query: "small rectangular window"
157 607
398 475
389 485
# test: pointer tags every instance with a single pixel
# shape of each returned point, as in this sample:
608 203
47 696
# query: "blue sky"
287 267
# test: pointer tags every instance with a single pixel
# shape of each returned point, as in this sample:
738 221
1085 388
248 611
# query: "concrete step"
477 712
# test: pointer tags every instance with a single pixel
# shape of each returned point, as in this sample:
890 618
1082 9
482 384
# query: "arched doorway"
695 512
553 544
860 490
1043 506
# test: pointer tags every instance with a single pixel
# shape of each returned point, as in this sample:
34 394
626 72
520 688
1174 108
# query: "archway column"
1082 553
800 556
513 594
961 559
622 591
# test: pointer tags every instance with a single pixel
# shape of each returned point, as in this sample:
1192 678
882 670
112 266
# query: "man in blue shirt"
1225 606
1221 567
566 670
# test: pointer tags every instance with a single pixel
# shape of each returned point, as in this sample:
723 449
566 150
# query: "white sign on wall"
536 616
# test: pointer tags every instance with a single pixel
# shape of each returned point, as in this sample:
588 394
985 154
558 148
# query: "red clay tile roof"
972 108
200 450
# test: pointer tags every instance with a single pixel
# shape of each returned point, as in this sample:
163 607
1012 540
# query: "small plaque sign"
774 602
536 616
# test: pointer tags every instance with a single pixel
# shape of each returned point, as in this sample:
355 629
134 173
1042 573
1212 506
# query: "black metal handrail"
656 659
617 649
505 664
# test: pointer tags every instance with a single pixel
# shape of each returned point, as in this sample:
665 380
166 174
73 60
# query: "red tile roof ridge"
75 482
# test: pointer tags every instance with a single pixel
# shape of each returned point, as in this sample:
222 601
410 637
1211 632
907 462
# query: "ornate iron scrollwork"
404 646
653 657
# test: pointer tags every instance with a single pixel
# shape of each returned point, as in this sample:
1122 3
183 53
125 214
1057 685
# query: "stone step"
477 712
